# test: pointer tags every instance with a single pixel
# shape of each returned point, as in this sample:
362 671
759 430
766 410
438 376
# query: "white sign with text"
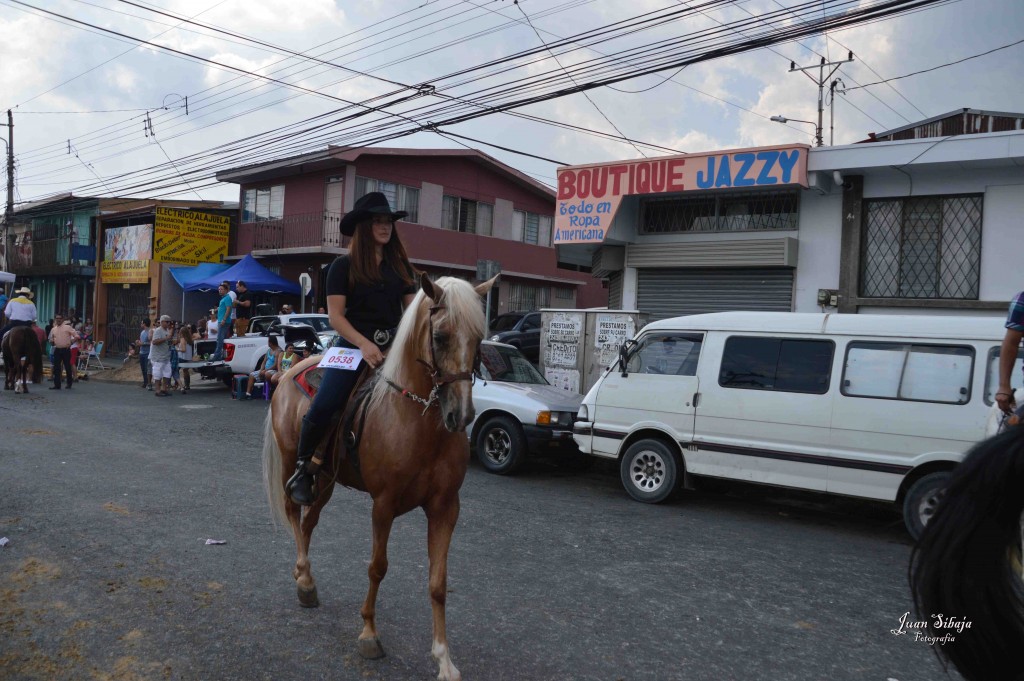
342 358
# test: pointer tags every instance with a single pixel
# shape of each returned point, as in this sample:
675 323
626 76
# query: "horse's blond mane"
461 305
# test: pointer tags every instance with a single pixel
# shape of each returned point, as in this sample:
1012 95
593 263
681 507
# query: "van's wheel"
922 500
501 445
650 471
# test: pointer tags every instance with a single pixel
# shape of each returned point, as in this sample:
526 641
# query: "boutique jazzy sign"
589 196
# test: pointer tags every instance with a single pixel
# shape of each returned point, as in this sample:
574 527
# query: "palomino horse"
966 567
413 452
23 358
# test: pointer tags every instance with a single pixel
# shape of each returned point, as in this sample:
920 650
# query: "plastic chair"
94 354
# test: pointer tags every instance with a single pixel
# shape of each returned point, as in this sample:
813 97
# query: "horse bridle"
438 379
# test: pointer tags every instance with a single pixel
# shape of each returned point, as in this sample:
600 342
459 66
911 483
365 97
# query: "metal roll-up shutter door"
615 291
664 293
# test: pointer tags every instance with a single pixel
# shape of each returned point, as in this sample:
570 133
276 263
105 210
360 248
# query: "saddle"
345 433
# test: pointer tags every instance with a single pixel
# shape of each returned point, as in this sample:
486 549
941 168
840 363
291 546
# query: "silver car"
518 411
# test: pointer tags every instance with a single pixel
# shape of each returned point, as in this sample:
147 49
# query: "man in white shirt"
211 325
20 310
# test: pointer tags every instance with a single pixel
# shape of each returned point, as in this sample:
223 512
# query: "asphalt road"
108 494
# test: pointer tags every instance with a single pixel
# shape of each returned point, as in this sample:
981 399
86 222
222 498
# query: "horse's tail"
37 363
272 470
967 562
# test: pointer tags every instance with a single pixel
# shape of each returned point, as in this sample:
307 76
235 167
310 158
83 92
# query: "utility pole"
9 212
820 81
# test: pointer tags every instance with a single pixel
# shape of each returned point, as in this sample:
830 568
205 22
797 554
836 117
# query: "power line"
603 115
940 66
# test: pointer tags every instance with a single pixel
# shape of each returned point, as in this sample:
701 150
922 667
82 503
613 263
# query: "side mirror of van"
624 351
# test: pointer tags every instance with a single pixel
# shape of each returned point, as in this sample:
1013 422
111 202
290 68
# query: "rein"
438 379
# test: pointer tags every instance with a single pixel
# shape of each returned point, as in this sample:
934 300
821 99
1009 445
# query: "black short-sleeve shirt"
243 312
369 307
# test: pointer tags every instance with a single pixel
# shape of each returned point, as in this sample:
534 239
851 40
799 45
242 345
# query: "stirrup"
302 476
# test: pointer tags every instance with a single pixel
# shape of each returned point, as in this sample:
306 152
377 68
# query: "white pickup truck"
244 354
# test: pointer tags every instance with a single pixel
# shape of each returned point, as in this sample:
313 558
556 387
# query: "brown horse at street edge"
23 358
413 451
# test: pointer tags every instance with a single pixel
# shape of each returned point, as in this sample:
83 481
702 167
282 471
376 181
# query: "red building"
464 206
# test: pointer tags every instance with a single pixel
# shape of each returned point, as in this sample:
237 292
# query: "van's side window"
992 375
782 364
673 354
905 371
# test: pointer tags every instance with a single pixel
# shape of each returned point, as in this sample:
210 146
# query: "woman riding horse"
366 292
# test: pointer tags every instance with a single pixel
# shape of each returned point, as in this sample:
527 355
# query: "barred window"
564 293
528 227
922 247
729 212
527 297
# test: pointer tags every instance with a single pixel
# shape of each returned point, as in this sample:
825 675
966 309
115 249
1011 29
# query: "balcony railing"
303 230
28 256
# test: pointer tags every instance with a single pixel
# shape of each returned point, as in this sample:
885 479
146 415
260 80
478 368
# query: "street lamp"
817 130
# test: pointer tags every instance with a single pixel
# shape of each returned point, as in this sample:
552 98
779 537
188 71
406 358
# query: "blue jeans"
144 363
222 333
334 391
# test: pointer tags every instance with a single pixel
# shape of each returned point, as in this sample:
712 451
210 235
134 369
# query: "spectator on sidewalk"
62 336
243 308
270 366
288 360
143 348
160 356
185 355
286 309
41 335
223 320
211 325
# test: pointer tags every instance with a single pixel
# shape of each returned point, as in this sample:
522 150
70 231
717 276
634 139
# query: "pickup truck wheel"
229 381
922 501
650 471
501 445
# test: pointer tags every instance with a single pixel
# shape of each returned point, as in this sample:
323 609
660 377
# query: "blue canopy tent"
188 275
256 278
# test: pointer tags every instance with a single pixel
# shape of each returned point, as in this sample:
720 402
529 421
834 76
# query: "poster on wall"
566 379
186 237
611 331
126 254
128 243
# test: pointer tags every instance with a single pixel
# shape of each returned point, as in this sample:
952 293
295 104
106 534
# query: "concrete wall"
819 248
1001 248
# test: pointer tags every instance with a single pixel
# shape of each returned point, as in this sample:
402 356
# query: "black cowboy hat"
366 207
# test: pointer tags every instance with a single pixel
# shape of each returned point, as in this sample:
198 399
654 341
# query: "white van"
873 406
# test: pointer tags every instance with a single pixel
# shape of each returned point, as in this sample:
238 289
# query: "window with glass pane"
544 238
409 201
922 247
249 206
992 374
390 191
667 354
262 204
484 218
450 213
276 202
564 293
531 228
780 364
903 371
363 186
518 224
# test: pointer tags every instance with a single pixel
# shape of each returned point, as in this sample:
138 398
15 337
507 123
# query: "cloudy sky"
49 64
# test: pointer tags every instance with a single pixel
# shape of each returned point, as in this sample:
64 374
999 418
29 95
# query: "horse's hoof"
370 648
308 598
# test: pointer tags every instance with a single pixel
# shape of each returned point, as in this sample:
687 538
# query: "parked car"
520 330
872 406
518 412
